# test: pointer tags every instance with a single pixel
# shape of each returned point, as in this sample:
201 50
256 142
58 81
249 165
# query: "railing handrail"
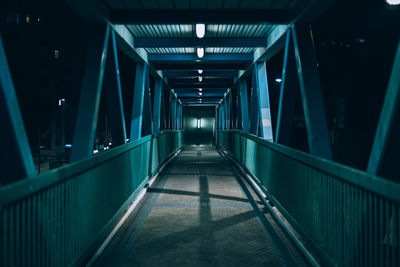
378 185
23 188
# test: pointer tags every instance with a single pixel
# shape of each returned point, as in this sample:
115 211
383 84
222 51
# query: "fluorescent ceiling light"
278 80
200 52
200 71
200 93
200 89
393 2
200 79
200 30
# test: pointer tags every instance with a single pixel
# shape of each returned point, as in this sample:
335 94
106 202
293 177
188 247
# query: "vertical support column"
16 158
173 111
228 109
254 109
263 101
180 116
311 92
163 114
219 118
138 99
288 94
385 155
244 105
157 105
89 102
225 111
112 84
147 109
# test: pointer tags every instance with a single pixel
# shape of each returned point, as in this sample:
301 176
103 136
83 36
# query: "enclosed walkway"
200 212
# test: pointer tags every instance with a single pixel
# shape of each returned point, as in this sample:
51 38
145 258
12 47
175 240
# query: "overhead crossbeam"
194 73
201 85
215 57
173 81
203 42
200 66
209 16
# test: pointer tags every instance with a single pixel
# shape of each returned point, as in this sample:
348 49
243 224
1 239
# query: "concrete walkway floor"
200 212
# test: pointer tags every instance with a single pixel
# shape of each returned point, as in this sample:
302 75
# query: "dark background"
204 134
355 41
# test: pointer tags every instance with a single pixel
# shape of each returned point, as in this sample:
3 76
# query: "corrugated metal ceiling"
187 30
202 4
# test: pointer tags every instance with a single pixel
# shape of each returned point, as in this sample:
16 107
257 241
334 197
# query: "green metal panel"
351 217
60 217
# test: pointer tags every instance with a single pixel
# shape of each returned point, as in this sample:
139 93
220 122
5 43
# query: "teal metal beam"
385 156
16 158
311 92
147 109
138 101
112 84
157 105
254 108
244 105
260 70
89 102
288 94
173 110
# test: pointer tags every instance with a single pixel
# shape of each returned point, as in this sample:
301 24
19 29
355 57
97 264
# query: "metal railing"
60 217
351 217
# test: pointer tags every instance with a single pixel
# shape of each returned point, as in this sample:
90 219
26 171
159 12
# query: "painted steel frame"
86 120
138 101
157 105
16 159
244 105
288 94
385 155
311 92
112 84
264 110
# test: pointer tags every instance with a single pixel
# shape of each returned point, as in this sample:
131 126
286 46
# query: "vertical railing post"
16 158
311 92
89 102
138 101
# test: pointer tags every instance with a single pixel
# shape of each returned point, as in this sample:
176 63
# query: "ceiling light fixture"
200 52
200 89
200 93
200 30
200 71
200 79
393 2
